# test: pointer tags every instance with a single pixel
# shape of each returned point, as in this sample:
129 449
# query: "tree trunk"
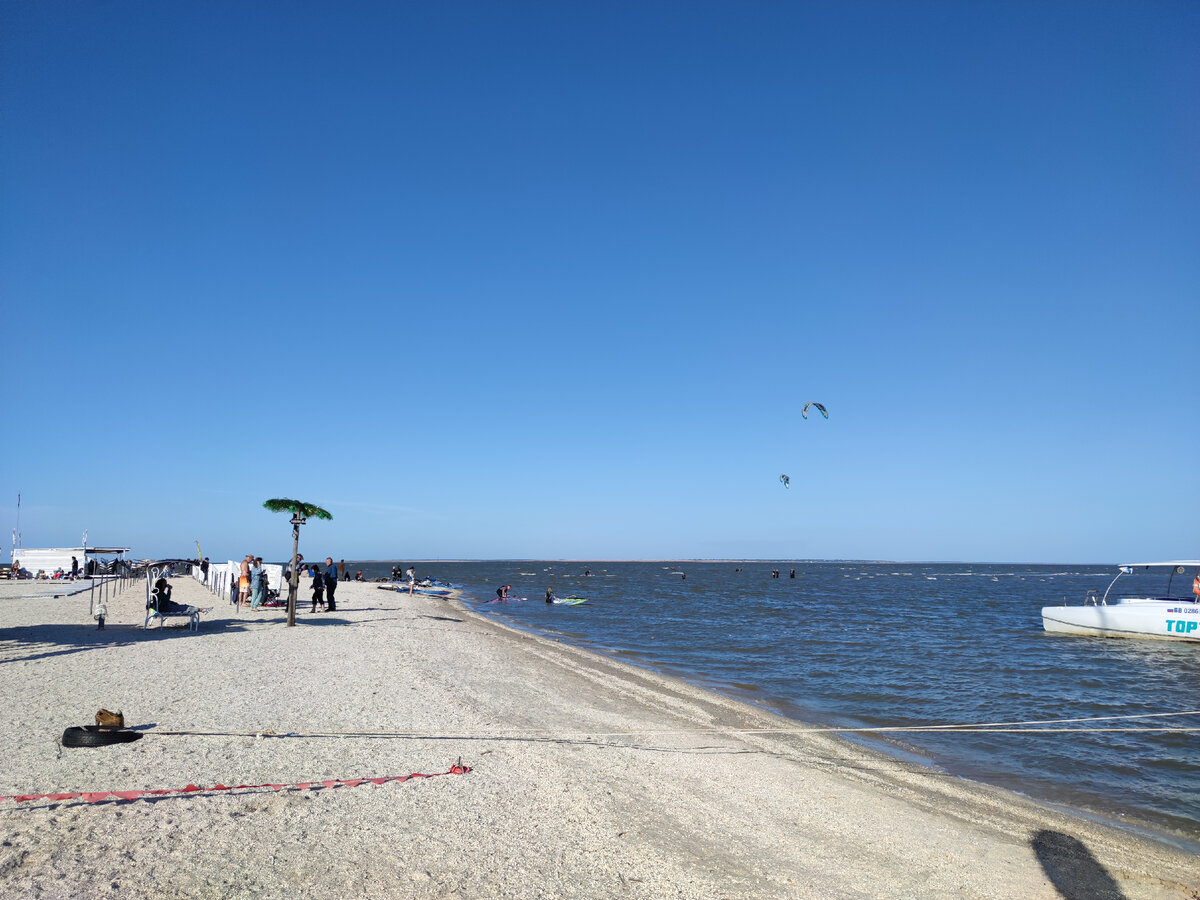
295 582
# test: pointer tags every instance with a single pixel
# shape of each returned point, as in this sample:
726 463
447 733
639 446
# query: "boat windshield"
1176 567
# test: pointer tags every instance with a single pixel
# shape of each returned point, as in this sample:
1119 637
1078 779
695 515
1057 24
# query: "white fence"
223 576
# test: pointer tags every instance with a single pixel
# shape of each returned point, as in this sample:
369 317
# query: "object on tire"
110 719
95 736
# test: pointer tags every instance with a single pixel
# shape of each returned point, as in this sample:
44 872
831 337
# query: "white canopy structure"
48 559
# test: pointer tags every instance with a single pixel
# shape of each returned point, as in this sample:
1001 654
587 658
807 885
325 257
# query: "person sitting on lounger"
165 605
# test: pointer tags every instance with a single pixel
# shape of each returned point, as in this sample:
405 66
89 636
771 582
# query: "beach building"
48 559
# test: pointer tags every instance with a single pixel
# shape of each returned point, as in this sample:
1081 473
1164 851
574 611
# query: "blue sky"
554 280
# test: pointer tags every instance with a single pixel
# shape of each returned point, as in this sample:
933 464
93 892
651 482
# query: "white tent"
48 559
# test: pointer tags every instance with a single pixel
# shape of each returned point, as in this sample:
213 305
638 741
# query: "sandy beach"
588 777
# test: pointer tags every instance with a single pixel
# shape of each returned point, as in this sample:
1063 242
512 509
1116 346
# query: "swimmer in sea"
550 595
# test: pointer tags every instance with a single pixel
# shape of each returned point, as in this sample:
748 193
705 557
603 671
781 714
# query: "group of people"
399 572
252 586
253 583
324 585
59 573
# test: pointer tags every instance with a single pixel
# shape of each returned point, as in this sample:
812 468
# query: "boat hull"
1157 619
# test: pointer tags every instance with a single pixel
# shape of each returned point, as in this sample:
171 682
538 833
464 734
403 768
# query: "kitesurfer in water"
550 595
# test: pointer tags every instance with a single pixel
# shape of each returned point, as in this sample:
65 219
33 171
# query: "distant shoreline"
856 562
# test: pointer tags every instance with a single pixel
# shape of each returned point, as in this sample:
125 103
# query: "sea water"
868 645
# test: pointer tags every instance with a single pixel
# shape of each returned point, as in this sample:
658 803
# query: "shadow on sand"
1070 866
30 642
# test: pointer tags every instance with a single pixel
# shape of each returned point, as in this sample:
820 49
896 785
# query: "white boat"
1164 617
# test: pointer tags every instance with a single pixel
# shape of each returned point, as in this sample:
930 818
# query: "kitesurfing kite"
804 412
787 482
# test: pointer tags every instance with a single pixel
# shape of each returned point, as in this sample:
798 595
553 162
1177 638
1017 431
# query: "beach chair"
152 614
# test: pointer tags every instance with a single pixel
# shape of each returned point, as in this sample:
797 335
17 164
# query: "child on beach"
318 588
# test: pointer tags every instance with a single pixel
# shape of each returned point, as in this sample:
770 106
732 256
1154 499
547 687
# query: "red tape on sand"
98 796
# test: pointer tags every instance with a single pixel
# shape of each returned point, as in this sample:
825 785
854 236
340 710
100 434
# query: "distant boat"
1165 617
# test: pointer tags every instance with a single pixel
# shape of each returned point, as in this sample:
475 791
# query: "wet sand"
589 778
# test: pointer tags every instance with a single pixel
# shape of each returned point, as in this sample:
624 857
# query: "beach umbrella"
300 512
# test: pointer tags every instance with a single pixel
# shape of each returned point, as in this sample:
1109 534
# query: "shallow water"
895 644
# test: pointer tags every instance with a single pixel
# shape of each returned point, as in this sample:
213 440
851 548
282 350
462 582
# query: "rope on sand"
515 734
98 796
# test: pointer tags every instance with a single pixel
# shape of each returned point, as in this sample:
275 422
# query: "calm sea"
896 644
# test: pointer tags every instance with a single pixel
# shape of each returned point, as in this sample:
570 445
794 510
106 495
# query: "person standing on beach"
244 581
331 580
342 570
318 589
412 580
204 569
256 583
74 568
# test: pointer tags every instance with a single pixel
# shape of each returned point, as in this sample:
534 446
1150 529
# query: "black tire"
95 736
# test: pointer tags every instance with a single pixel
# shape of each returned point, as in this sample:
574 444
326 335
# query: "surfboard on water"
570 601
506 600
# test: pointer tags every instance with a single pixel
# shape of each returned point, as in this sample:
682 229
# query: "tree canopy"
306 510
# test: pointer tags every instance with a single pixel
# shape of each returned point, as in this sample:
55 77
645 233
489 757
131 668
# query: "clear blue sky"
555 279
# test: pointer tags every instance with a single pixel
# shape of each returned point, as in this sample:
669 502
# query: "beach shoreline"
591 777
794 720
